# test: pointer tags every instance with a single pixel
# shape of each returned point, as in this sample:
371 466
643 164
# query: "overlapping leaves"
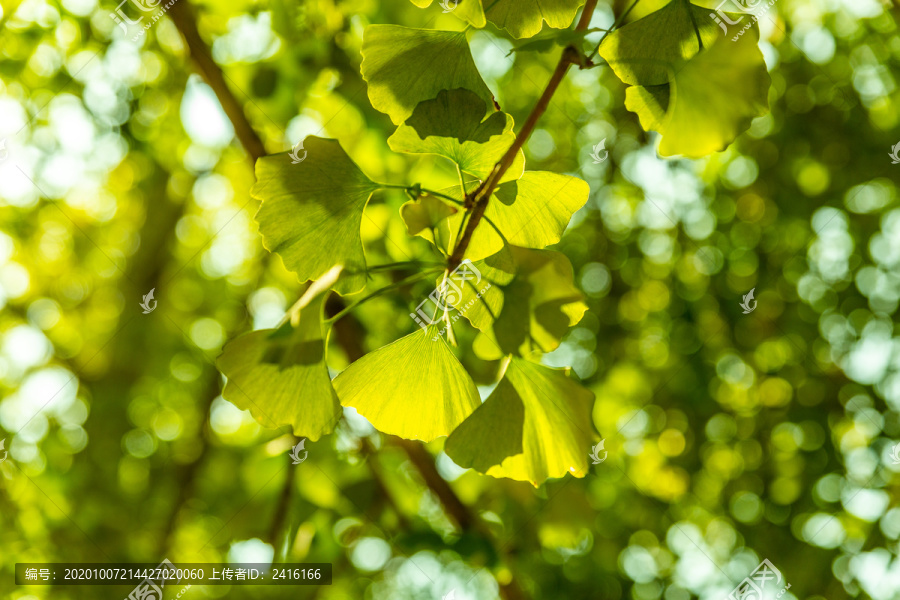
700 90
522 18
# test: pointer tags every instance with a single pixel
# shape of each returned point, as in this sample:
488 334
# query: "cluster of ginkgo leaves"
697 88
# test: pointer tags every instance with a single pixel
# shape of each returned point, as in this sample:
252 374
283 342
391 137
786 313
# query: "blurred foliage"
731 437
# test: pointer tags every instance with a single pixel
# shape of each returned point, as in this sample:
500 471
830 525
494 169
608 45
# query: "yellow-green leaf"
555 434
414 388
311 211
427 217
280 376
525 302
404 67
645 52
525 18
451 126
532 211
711 100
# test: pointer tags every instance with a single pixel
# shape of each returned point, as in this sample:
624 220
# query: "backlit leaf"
555 434
280 376
532 211
525 302
414 388
451 126
427 217
311 211
404 67
711 100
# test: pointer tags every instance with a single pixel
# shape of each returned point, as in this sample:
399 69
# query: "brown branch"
477 201
182 15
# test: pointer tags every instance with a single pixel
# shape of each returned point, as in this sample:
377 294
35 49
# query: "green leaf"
699 98
711 100
522 18
647 51
525 301
280 376
414 388
532 212
404 67
428 215
311 211
451 126
553 437
553 39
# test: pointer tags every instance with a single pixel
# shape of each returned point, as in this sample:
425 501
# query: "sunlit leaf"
700 97
711 100
531 212
311 211
427 217
451 126
522 18
404 67
645 52
555 434
414 388
280 376
525 301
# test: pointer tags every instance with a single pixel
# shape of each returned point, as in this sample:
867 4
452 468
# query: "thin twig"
477 201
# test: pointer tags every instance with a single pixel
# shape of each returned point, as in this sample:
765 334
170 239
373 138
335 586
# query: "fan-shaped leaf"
404 67
710 101
414 388
451 126
554 436
532 211
280 376
311 211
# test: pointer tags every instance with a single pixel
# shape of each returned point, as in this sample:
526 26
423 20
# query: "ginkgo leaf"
404 67
645 52
280 376
451 126
700 90
311 211
555 435
522 18
532 211
530 304
710 101
414 388
427 217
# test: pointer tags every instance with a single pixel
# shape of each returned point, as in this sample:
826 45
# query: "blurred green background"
732 437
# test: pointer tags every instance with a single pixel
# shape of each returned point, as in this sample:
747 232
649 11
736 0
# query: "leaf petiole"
385 289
